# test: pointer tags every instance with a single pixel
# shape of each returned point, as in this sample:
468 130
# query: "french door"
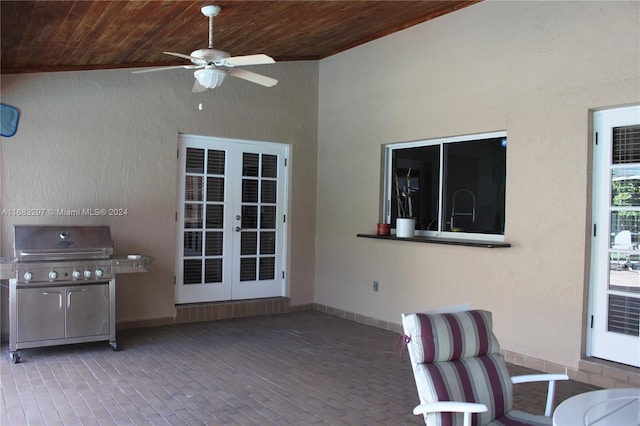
231 219
614 332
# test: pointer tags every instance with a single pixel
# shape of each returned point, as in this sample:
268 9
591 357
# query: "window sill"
431 240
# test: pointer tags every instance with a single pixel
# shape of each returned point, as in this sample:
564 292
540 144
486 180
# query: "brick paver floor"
301 368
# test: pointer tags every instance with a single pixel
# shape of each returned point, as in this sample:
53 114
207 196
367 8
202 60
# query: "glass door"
614 332
231 217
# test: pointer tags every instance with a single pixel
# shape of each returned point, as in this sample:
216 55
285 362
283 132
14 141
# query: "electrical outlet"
375 286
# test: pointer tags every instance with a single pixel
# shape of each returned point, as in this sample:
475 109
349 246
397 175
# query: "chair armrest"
551 378
451 407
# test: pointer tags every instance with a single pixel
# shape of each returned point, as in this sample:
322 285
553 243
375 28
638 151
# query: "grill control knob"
28 276
99 273
76 274
87 274
53 275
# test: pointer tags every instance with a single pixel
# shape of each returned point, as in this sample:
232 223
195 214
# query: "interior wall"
108 139
534 69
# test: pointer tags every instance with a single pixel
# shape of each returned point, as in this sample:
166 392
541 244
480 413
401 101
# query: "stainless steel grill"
62 285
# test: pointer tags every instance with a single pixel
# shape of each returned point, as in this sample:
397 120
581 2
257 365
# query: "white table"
608 407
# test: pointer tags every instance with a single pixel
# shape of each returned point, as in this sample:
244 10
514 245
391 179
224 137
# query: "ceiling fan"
212 66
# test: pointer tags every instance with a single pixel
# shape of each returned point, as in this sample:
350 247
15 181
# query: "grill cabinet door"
40 313
87 310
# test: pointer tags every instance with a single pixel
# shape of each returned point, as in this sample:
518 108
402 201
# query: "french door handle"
238 217
238 229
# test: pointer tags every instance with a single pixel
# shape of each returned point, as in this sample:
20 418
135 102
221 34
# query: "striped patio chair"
460 376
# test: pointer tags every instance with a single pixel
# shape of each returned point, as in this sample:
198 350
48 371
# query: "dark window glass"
471 197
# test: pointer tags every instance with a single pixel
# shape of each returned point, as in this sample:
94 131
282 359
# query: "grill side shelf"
132 263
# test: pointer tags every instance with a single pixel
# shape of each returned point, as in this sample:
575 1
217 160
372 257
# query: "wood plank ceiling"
47 36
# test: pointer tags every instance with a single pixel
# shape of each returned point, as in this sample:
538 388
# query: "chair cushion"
483 379
451 336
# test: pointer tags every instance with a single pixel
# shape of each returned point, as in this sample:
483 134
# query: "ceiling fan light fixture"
210 78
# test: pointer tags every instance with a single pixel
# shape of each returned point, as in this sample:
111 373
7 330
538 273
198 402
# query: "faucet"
473 207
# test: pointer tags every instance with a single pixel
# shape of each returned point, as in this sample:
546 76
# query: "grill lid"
61 242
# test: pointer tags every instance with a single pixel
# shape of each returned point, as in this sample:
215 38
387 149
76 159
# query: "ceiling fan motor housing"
210 11
212 56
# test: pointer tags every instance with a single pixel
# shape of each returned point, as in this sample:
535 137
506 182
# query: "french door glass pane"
192 271
269 166
215 216
192 215
198 243
193 243
625 186
248 243
626 145
195 160
213 244
213 270
215 162
623 315
267 242
215 189
193 188
268 217
249 217
267 268
268 191
250 164
248 269
249 191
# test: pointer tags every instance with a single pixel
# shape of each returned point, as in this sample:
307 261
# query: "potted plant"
405 221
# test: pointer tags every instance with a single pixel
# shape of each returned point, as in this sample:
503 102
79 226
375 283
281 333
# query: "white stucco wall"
108 139
534 69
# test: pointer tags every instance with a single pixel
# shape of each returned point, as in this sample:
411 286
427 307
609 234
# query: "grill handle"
65 253
47 293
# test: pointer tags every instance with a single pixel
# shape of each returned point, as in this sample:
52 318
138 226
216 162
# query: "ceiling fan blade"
197 87
238 61
191 58
253 77
188 67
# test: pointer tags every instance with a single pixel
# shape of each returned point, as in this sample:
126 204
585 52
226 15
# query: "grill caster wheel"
14 357
114 346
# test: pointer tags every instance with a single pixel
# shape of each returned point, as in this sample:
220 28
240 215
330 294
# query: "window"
454 187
